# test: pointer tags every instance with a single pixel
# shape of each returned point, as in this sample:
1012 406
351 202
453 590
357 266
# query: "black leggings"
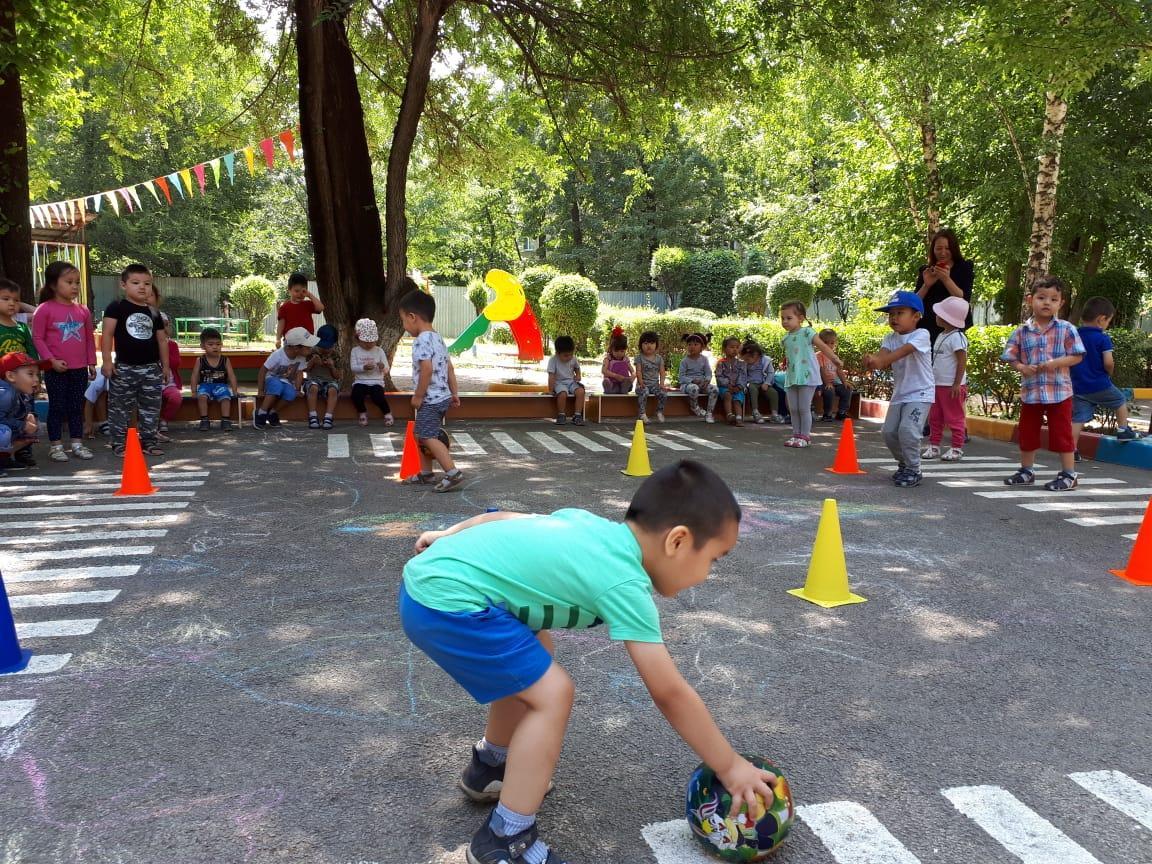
831 391
374 392
66 403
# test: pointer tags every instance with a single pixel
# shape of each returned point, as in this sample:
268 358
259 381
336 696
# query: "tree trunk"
15 230
1047 181
931 162
1012 297
425 41
1096 253
343 217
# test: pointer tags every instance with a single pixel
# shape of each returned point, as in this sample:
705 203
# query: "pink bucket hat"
954 310
366 330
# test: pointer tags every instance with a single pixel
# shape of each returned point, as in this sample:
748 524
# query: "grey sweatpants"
903 428
139 390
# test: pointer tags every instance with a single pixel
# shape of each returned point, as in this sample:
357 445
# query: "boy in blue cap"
480 597
323 382
908 351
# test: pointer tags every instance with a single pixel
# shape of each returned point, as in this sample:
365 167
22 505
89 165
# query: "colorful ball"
743 838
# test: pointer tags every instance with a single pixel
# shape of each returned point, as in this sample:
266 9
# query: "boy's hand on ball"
744 782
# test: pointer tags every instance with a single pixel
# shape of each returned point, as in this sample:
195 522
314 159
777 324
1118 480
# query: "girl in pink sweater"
62 332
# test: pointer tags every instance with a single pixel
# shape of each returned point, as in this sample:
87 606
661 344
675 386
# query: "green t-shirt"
570 570
17 338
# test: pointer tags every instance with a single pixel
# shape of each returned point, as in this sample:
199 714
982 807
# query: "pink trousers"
947 411
170 406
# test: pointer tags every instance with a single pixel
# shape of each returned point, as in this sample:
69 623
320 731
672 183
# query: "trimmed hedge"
1121 287
669 271
534 280
750 295
710 279
568 307
255 297
789 285
478 295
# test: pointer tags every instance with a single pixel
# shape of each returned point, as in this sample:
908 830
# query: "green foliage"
836 289
1132 351
534 280
760 263
179 306
788 285
710 279
995 382
568 307
669 271
478 294
695 312
253 297
750 295
500 334
1121 287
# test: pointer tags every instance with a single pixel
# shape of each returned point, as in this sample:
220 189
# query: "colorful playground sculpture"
510 307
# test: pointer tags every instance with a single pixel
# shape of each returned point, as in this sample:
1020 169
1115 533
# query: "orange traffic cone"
134 480
1139 569
410 461
845 461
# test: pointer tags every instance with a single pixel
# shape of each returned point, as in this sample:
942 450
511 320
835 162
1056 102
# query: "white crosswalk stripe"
102 496
52 629
382 447
510 444
338 446
853 835
64 598
1096 521
77 537
550 443
1030 492
695 439
1016 827
664 442
44 664
586 442
60 526
466 445
616 439
68 554
1120 791
158 476
889 460
12 711
22 492
5 512
973 484
970 474
71 574
1078 504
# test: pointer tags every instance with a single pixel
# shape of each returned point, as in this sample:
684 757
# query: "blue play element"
1134 454
12 658
41 408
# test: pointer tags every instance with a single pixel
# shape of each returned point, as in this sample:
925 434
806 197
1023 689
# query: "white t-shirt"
429 346
281 365
564 370
944 357
912 379
359 358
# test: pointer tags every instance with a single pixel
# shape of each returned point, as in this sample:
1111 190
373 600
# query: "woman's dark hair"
702 338
689 494
649 336
1094 307
52 275
953 245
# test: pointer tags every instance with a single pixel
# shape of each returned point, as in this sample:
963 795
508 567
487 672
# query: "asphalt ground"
250 696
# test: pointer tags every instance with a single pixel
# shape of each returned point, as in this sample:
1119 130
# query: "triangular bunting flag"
198 170
251 157
33 217
150 185
174 179
289 144
99 201
127 198
114 201
230 164
135 197
269 149
215 165
186 176
57 216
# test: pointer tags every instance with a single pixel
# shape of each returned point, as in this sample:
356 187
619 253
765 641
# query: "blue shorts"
1084 405
215 392
280 388
5 438
491 653
430 419
737 395
322 387
569 387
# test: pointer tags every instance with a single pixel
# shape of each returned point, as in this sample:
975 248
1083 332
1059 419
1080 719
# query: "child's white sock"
327 416
490 754
311 414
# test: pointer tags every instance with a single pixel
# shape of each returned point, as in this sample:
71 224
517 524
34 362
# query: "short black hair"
564 344
297 279
649 336
688 493
1053 283
419 304
751 347
134 269
1094 307
9 285
210 333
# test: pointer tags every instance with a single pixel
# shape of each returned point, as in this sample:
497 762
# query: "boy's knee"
555 689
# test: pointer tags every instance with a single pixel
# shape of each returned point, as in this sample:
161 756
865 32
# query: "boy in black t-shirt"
136 379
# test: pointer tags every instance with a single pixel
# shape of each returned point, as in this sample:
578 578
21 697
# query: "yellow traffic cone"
638 464
827 582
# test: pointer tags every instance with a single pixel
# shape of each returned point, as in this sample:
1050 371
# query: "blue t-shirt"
1089 375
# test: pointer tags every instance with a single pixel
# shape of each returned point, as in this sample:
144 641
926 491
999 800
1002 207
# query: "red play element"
1139 569
528 337
846 461
134 480
410 461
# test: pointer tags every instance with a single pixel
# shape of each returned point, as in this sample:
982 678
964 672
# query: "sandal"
1022 477
418 480
152 450
389 420
802 442
1064 482
327 424
362 419
732 419
313 423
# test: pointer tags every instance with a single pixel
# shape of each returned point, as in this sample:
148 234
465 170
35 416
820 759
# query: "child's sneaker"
803 442
260 420
1126 434
1022 477
1065 481
777 418
225 425
362 418
932 452
709 417
480 781
757 417
81 452
908 479
826 418
739 420
313 422
162 426
659 416
577 419
643 418
487 848
791 442
273 419
328 423
24 457
449 481
561 419
7 463
952 454
56 453
205 425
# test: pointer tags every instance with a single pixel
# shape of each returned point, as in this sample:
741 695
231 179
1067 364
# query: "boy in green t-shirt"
15 337
479 598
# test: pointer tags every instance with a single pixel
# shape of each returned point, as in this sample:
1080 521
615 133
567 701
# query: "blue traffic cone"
12 658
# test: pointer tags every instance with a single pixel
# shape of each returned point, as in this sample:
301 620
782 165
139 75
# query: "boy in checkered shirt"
1042 350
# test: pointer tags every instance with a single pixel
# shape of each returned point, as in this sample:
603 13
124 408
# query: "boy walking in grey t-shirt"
564 380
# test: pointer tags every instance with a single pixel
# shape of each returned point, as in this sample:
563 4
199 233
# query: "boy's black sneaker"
480 781
487 848
260 421
7 463
225 425
908 479
273 419
24 457
901 470
205 424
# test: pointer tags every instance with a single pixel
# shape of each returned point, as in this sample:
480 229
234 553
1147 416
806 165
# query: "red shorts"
1059 426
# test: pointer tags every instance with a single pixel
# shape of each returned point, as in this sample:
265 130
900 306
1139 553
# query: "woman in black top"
947 274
